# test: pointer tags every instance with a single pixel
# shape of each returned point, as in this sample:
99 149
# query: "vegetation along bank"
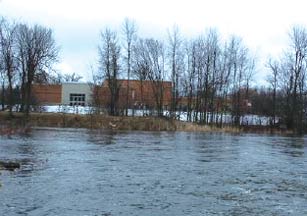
21 124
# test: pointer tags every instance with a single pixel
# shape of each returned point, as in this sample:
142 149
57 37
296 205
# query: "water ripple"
83 172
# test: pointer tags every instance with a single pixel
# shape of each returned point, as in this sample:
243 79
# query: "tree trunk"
10 95
3 96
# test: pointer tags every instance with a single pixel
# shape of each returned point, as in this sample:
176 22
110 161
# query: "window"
77 99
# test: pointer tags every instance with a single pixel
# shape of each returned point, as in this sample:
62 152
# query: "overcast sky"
263 24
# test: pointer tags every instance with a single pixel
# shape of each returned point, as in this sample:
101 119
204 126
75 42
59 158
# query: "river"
83 172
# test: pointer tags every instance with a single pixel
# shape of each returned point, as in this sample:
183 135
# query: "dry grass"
114 123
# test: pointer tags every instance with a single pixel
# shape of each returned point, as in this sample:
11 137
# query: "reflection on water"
82 172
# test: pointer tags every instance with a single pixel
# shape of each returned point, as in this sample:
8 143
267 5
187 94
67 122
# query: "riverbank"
20 124
97 122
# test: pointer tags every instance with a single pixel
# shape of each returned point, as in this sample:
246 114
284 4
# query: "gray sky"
263 24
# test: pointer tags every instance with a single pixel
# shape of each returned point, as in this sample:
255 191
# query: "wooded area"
211 77
26 56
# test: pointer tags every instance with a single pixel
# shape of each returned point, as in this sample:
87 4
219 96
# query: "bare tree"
239 64
129 30
2 76
188 78
224 78
198 58
8 56
176 63
109 52
248 76
273 79
37 51
299 45
2 72
140 65
204 65
211 70
294 78
149 63
72 77
203 75
157 73
95 86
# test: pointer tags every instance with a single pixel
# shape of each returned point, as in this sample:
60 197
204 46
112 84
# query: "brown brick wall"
136 99
47 94
51 94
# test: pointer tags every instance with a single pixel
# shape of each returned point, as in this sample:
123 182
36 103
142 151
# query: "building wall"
140 95
47 94
76 88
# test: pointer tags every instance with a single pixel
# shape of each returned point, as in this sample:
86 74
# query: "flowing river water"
83 172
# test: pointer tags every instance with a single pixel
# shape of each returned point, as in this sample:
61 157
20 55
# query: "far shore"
19 124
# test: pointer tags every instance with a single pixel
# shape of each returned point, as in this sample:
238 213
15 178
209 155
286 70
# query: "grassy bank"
21 124
96 122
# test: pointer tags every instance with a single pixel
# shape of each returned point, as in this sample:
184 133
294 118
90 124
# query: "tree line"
211 77
27 54
204 71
